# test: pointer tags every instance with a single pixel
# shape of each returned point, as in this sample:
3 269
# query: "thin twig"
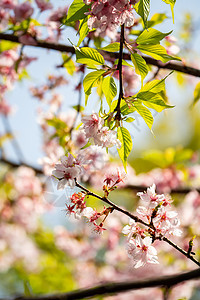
15 144
138 220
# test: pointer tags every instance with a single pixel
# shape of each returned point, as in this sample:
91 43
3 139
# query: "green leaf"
89 80
124 63
143 8
126 144
156 51
172 3
156 19
196 93
144 113
69 64
76 11
109 89
129 120
27 289
7 45
113 47
83 30
151 36
140 65
88 56
153 100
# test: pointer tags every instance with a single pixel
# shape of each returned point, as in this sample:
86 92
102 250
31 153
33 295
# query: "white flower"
141 251
167 222
150 197
67 171
129 229
91 124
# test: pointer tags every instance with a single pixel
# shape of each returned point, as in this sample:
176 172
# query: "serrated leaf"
109 89
88 56
144 113
124 107
140 65
156 19
126 144
124 63
153 100
172 3
69 64
151 36
196 93
113 47
156 51
90 80
77 11
143 9
83 30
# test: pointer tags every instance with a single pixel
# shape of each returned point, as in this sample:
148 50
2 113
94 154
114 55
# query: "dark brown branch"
13 164
179 67
119 67
136 219
184 190
135 188
106 200
119 287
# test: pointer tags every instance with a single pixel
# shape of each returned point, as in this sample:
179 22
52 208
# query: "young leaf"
69 64
156 51
90 80
140 65
83 30
196 93
144 113
77 11
143 8
109 89
114 47
156 19
151 36
126 144
89 56
153 100
172 3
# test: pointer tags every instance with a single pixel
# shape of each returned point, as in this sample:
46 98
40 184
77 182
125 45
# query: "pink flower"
92 124
10 4
150 197
23 11
141 251
43 5
67 171
167 222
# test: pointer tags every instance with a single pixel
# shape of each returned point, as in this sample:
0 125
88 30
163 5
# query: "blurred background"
49 252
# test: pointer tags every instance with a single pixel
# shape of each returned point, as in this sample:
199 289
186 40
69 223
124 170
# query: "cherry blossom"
67 171
141 251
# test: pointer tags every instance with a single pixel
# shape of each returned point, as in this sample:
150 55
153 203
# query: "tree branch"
135 188
179 67
138 220
17 165
119 287
119 67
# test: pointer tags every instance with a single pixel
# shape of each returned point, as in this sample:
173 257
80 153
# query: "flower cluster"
161 222
109 14
67 171
94 129
79 209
